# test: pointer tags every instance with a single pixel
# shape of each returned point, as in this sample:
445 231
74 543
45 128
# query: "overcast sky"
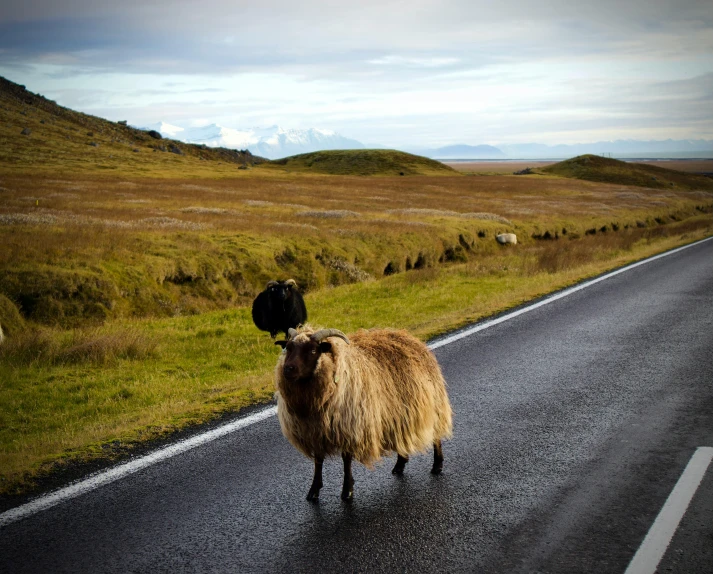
398 73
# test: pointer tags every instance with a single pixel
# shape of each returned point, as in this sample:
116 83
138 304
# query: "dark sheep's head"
303 355
281 290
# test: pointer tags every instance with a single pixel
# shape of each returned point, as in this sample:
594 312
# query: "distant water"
550 159
509 160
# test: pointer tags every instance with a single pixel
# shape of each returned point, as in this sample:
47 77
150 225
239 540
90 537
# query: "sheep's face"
280 290
301 357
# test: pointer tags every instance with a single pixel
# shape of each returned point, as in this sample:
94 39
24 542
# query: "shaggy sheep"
375 392
506 239
279 307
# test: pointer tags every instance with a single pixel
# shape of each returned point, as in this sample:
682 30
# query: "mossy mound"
10 319
56 296
607 170
380 162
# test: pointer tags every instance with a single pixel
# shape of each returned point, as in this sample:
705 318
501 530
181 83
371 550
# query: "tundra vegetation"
126 278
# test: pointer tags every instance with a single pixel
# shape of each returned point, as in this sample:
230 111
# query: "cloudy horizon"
421 73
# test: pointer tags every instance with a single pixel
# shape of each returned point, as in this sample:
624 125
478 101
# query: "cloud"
417 62
309 37
385 70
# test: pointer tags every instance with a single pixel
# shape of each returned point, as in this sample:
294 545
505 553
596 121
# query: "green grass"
96 393
126 277
607 170
381 162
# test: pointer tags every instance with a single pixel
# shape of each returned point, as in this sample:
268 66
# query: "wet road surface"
573 423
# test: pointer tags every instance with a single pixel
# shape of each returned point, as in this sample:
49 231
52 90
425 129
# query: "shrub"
10 319
47 346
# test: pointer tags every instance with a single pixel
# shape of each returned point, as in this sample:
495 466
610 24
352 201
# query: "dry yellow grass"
509 167
83 249
91 396
135 270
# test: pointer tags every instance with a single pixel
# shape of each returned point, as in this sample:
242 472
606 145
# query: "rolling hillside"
383 162
606 170
38 134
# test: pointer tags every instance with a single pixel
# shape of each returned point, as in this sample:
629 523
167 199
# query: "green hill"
383 162
607 170
38 134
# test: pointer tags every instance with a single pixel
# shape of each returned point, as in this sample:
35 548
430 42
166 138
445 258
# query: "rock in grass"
26 131
506 239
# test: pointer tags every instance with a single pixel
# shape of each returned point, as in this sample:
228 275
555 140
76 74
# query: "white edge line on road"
555 297
654 546
110 475
115 473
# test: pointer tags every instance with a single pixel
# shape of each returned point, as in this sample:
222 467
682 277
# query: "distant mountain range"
463 151
273 142
618 148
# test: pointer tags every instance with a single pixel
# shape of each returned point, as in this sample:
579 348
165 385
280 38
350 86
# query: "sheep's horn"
291 282
291 333
324 333
270 284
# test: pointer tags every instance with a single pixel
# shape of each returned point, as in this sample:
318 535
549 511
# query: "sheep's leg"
400 464
348 486
437 457
313 493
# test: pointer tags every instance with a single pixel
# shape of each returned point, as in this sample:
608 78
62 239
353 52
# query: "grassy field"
364 162
696 166
607 170
134 293
126 277
78 251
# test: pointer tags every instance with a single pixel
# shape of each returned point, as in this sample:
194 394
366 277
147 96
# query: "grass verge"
95 394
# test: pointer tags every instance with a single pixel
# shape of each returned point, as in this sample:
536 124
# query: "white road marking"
110 475
115 473
654 546
555 297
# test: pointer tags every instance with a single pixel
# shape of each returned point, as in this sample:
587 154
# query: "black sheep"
279 307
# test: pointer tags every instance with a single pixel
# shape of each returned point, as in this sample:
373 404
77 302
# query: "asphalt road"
573 423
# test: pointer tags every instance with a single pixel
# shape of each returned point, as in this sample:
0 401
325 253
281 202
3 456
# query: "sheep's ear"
325 347
281 343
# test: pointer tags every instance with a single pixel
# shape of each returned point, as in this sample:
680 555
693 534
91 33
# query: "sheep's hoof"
400 465
347 495
313 495
437 469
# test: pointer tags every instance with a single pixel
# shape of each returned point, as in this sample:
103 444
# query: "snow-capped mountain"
619 149
166 130
273 142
